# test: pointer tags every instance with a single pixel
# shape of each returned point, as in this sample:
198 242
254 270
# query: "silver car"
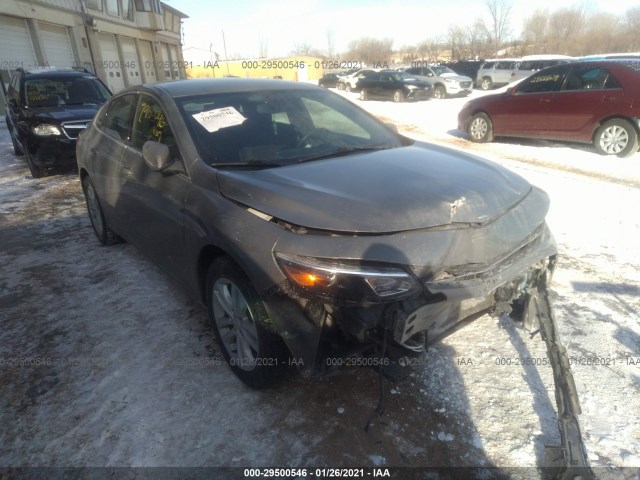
445 81
532 63
495 73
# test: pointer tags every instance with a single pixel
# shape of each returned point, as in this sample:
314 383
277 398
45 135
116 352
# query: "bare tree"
331 42
535 31
477 40
302 49
499 28
263 46
371 50
566 25
600 35
632 20
457 42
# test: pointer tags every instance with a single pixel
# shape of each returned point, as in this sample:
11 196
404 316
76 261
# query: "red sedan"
586 102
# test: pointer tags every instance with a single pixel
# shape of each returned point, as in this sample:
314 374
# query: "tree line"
575 31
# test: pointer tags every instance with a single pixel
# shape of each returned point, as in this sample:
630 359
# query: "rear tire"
480 128
347 87
364 95
105 235
239 317
616 137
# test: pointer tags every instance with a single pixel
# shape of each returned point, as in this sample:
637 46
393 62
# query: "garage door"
166 61
56 44
131 62
17 49
147 62
111 62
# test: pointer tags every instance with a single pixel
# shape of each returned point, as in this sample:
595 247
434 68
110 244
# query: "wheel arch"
208 254
474 113
614 116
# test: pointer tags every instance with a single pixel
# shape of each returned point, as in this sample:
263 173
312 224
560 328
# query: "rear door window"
115 118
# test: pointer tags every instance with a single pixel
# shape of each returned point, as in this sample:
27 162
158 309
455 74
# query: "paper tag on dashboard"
214 120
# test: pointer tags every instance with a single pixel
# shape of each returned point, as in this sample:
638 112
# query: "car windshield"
442 70
400 76
56 91
280 127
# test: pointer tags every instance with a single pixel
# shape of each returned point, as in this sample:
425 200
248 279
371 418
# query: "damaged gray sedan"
316 234
311 230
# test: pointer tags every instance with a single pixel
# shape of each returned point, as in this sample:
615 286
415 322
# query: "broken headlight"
347 280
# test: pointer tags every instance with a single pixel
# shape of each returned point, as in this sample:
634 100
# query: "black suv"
47 109
391 84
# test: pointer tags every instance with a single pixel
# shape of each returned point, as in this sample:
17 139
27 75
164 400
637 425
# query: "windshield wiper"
251 164
344 151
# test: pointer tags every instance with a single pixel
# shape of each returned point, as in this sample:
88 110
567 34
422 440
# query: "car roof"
44 71
198 86
514 59
547 56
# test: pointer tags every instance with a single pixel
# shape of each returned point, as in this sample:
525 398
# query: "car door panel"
154 201
526 108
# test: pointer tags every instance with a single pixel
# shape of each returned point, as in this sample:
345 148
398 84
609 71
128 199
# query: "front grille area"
481 271
465 84
73 129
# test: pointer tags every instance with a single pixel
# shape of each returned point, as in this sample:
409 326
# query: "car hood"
459 78
65 113
400 189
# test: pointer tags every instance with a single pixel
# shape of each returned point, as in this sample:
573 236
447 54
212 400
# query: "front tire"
239 317
398 96
364 95
486 84
36 170
347 87
616 137
439 92
480 128
16 148
105 235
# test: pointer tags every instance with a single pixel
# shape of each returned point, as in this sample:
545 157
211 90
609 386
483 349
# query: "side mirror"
156 155
392 127
511 91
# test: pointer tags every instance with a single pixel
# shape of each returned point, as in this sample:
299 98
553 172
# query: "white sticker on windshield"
214 120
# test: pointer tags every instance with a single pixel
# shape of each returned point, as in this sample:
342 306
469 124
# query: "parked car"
443 80
393 85
47 109
329 80
349 82
587 102
468 68
532 63
632 56
311 230
496 73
